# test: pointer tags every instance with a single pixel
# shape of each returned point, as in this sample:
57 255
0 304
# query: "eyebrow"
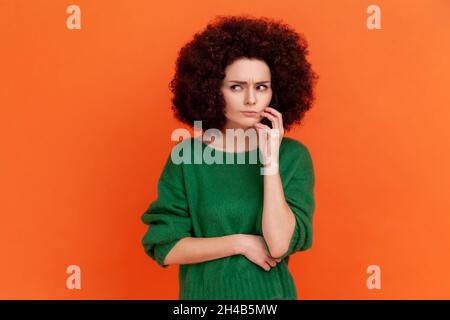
244 82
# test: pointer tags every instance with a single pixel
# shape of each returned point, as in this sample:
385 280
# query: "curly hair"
201 63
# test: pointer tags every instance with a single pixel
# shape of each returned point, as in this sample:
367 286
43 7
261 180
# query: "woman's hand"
254 249
269 140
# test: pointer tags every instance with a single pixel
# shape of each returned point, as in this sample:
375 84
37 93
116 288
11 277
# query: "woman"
231 226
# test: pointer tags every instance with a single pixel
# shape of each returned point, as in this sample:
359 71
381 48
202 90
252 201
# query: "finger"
261 131
274 111
272 262
267 267
262 126
275 133
272 118
278 114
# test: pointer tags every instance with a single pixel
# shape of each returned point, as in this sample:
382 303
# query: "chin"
245 122
249 122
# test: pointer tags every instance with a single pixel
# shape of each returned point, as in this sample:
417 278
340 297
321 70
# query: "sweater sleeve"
299 194
168 216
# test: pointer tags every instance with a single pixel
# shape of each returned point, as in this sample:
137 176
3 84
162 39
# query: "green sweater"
214 200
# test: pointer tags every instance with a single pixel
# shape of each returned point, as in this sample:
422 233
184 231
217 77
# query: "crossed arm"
278 224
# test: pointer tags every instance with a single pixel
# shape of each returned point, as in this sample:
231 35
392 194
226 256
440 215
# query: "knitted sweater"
214 200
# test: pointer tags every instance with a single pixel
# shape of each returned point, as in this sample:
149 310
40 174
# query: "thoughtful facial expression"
246 89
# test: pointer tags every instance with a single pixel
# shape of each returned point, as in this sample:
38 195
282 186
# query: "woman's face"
246 87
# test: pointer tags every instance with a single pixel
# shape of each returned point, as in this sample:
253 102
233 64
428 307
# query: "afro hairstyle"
201 63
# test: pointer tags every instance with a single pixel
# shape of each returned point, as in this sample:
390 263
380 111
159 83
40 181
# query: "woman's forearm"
278 221
194 250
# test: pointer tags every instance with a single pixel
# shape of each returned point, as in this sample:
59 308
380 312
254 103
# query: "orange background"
85 128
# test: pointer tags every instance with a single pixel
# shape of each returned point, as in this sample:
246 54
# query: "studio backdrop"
86 124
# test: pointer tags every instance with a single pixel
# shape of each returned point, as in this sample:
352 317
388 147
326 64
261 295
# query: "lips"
250 113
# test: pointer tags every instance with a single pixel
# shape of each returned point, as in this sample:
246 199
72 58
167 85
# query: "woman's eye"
264 86
233 87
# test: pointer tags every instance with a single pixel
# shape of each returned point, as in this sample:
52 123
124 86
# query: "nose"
250 98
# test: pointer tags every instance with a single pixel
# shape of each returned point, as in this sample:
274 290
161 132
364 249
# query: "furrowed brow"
244 82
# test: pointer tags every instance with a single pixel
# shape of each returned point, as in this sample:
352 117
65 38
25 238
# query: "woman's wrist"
238 243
